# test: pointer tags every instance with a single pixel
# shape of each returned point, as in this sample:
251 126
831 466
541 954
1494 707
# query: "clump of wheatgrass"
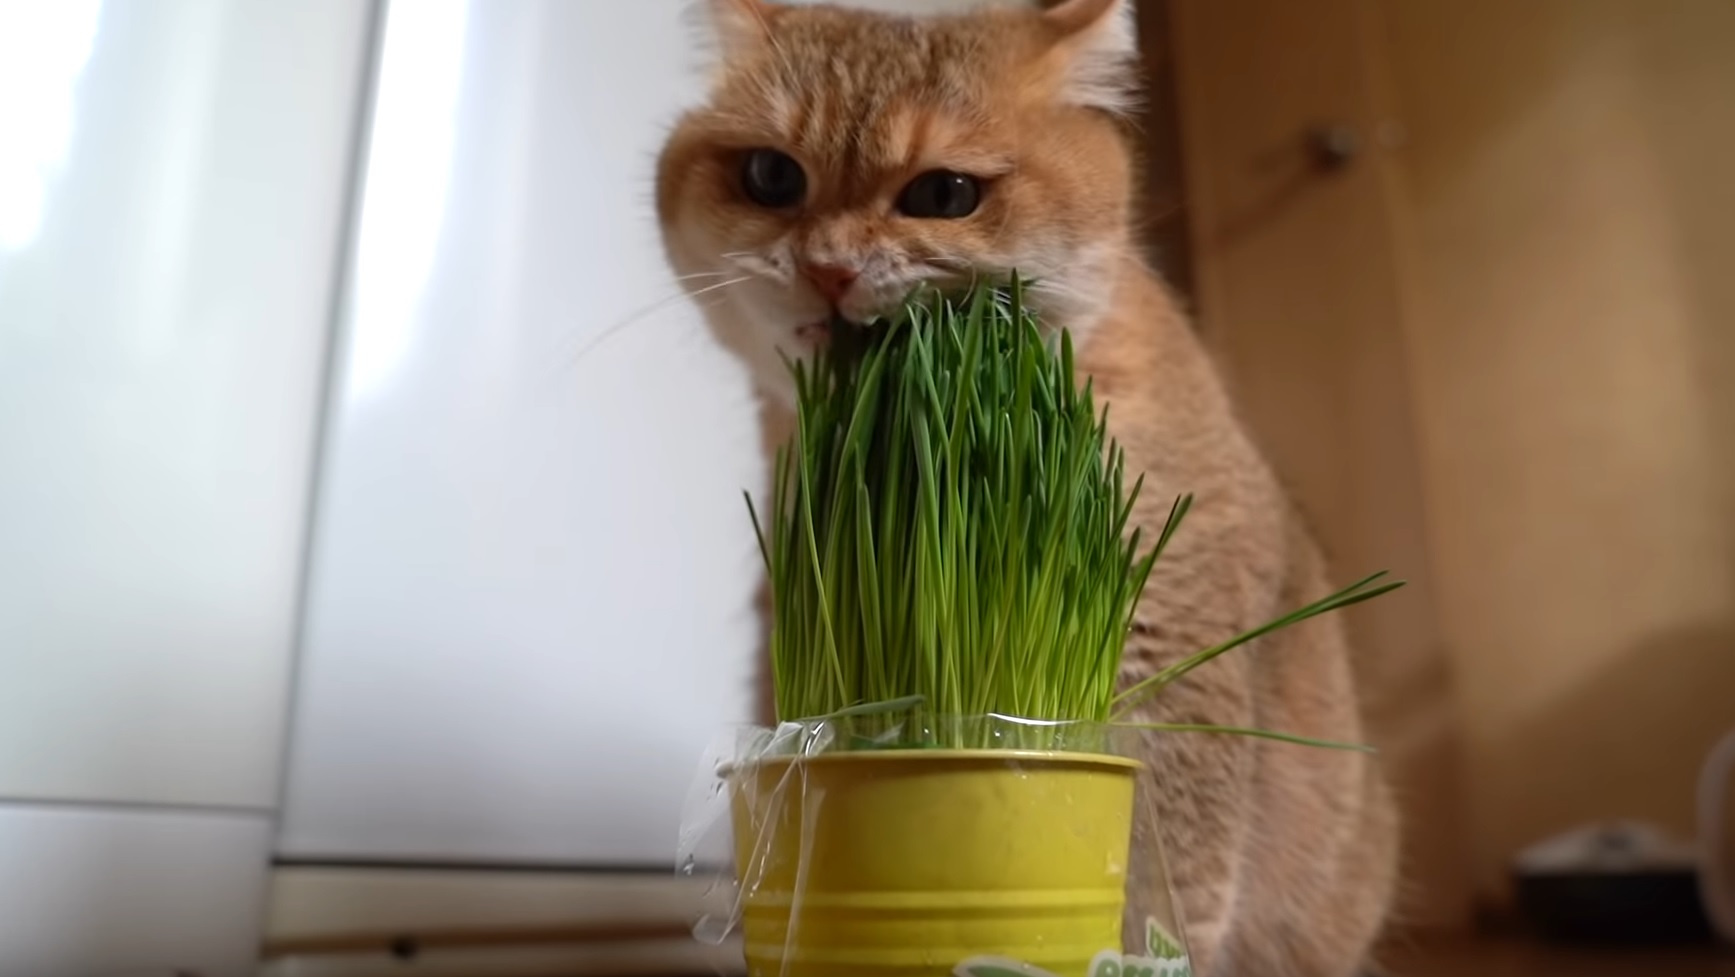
948 535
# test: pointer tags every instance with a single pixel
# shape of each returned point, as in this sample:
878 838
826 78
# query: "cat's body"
1282 856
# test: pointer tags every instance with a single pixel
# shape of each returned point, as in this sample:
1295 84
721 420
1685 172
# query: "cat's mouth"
820 332
814 334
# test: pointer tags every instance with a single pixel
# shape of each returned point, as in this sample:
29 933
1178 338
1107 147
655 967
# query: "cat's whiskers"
952 267
749 263
1058 289
702 274
563 363
752 264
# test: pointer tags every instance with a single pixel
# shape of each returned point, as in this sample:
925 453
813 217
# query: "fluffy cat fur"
1282 856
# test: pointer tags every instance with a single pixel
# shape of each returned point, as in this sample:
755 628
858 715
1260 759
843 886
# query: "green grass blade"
1263 734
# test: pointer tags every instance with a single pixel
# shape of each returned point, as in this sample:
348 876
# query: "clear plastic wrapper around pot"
888 845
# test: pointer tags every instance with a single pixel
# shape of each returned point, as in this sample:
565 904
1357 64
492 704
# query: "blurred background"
373 568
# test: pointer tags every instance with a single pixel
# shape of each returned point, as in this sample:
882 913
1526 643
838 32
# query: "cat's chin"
803 342
819 334
776 391
813 335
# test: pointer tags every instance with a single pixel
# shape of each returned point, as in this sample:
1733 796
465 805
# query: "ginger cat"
844 157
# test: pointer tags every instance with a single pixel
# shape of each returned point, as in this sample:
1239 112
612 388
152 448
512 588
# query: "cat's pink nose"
832 281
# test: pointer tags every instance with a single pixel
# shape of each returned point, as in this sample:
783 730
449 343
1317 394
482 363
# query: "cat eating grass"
844 158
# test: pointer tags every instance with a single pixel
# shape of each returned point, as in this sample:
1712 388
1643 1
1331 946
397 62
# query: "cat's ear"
729 29
1098 43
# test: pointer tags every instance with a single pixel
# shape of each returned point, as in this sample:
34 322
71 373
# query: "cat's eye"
941 194
772 179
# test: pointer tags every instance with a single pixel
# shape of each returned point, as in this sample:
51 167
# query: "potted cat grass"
953 580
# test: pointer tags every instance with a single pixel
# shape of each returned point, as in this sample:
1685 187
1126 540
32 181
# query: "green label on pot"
1163 958
1159 945
1115 965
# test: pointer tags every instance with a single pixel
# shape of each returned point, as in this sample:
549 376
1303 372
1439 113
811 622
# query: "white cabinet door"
532 566
122 892
173 176
172 184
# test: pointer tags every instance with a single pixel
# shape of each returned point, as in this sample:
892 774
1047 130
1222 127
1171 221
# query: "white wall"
532 566
172 176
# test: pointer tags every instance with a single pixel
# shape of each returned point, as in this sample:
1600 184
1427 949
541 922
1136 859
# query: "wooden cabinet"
1465 264
1298 280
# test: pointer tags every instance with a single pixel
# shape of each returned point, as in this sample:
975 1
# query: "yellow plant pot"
910 862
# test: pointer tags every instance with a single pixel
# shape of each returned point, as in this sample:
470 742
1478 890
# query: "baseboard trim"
689 960
355 922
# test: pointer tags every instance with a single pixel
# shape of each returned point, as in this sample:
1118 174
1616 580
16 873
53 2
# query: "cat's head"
844 158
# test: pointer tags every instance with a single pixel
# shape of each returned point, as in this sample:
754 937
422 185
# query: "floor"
1529 960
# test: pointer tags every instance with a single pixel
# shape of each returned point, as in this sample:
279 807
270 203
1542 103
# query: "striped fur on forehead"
877 57
1081 52
861 91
